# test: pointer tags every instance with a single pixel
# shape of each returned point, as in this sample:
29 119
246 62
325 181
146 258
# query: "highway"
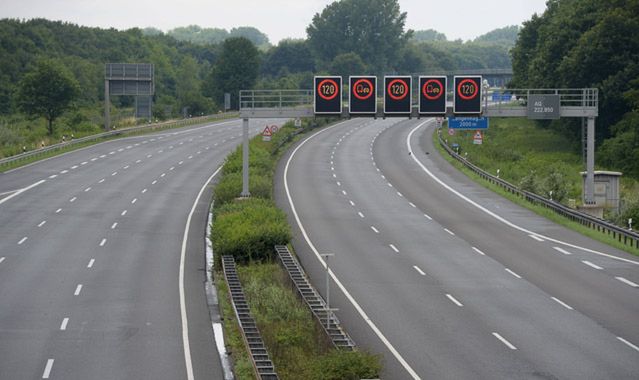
445 279
99 276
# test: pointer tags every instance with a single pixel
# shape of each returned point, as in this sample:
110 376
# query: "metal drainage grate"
262 364
314 301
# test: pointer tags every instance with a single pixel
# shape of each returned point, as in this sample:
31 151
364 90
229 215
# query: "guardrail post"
245 159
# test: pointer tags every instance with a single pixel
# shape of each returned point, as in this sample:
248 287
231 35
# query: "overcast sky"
465 19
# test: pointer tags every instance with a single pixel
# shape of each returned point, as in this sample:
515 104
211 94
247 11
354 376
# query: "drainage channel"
326 318
262 364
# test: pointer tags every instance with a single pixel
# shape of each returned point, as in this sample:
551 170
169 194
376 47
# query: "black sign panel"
467 95
432 95
328 95
397 95
362 97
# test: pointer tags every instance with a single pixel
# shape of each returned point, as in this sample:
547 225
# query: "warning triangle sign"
477 135
267 131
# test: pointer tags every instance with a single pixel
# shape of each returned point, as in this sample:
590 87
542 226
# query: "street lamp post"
328 289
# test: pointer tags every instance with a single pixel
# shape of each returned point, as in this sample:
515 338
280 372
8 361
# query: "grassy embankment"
535 159
11 139
248 229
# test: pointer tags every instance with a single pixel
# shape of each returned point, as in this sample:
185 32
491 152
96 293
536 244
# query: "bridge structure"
581 103
495 77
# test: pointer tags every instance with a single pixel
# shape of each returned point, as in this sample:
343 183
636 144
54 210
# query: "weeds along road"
444 278
90 259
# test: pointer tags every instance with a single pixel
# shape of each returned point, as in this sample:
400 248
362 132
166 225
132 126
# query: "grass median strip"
249 229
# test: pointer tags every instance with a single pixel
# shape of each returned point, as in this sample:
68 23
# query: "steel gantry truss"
580 103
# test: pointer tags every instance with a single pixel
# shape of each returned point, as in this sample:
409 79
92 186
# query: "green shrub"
342 365
260 160
230 187
249 229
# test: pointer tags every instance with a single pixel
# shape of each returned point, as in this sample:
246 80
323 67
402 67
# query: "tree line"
588 43
195 66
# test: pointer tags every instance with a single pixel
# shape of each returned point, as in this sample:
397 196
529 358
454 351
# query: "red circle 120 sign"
467 89
433 89
363 89
397 89
327 89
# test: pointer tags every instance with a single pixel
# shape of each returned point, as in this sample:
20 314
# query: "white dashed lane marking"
449 231
394 248
91 262
454 300
22 240
513 273
63 325
562 303
627 282
42 223
78 289
478 251
47 369
559 249
374 229
591 264
536 237
103 242
504 341
73 199
419 270
58 211
114 225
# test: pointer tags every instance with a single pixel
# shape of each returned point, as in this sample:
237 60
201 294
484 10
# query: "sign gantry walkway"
536 104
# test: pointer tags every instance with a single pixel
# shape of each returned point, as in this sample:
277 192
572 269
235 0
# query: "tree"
48 91
236 69
292 56
348 64
372 29
252 34
428 35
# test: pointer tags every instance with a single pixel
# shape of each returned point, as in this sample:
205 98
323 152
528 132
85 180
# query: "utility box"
606 192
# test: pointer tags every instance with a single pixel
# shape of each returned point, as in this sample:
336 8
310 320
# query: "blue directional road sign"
470 123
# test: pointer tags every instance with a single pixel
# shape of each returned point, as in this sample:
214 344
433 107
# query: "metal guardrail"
156 126
324 316
623 235
262 364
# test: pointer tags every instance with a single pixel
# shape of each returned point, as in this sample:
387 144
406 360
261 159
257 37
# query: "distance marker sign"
467 95
397 95
328 95
432 95
362 97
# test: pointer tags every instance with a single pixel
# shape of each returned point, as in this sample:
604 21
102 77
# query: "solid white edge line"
419 270
339 284
47 369
504 341
185 322
562 303
628 343
22 190
627 282
454 300
499 218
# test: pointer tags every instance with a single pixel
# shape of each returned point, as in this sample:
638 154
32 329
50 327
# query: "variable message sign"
397 95
467 95
362 97
328 94
432 95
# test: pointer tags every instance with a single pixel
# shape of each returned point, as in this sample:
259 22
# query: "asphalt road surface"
90 255
445 279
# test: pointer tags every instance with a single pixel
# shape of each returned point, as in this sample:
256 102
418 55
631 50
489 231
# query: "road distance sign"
468 123
398 95
362 97
543 107
328 95
432 95
468 94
